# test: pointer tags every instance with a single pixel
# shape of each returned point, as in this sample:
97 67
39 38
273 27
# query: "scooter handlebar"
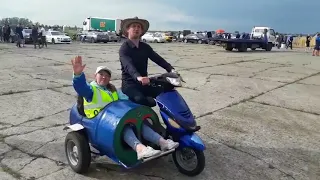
162 79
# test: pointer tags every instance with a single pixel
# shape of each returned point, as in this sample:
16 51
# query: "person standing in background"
265 37
8 33
282 39
278 40
289 41
317 46
34 35
308 39
4 32
19 35
1 33
42 35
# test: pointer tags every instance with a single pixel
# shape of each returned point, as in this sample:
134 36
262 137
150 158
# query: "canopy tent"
219 31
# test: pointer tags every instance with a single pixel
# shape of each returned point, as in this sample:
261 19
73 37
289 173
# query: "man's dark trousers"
43 41
35 41
141 94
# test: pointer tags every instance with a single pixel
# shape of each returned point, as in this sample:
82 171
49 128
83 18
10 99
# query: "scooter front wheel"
189 161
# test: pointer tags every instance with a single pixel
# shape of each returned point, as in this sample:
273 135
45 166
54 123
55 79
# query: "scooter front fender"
192 141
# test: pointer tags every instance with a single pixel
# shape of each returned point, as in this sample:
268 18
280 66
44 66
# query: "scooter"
181 124
180 127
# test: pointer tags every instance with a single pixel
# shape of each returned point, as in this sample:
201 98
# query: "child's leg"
152 136
142 151
130 138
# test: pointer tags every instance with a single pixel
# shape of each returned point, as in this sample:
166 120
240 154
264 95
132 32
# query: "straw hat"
127 22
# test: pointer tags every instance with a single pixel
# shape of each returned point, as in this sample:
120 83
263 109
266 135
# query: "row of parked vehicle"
101 36
57 37
204 39
150 37
97 36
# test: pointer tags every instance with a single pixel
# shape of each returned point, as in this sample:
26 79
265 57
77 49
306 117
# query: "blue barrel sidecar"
104 133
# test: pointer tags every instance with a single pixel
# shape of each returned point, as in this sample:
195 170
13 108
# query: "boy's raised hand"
77 65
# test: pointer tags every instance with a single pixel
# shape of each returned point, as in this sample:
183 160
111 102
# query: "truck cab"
257 33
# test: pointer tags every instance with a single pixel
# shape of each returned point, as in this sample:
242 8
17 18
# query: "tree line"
25 22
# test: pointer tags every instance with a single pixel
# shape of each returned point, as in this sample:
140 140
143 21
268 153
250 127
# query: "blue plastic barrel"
106 129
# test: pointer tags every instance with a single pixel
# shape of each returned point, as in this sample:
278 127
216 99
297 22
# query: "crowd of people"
5 32
282 39
37 35
288 40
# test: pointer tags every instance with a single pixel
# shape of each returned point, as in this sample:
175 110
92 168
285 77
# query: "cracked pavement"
259 112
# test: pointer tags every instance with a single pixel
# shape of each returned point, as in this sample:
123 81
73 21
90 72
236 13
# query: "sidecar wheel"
183 160
78 152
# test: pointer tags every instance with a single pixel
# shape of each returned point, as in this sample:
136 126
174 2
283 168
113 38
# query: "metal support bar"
160 155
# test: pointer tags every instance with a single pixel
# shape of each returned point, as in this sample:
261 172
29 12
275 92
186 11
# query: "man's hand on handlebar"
174 71
144 80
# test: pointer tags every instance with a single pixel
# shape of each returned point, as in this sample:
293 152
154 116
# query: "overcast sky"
283 15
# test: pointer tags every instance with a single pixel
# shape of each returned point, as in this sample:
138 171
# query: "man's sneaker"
169 145
148 152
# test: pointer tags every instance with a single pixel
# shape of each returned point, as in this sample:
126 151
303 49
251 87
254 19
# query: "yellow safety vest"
100 99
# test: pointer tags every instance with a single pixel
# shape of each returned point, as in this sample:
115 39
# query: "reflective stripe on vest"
100 99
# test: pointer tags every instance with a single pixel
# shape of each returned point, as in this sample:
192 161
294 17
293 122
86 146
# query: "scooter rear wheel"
182 157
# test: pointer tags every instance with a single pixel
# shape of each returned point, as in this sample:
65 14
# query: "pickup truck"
255 41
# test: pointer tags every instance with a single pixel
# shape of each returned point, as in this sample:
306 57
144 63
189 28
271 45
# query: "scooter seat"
195 129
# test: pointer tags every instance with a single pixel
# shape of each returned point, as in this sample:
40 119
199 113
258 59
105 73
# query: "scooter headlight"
174 81
173 123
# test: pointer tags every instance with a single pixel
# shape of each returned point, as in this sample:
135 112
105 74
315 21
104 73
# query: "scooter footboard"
193 141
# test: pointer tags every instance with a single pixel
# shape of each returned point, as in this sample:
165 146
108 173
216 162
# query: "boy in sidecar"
101 92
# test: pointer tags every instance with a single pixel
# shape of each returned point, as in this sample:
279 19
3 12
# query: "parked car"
195 38
95 37
56 37
113 37
27 36
167 36
156 38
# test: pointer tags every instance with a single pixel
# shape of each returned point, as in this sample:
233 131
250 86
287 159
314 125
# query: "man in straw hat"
134 56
